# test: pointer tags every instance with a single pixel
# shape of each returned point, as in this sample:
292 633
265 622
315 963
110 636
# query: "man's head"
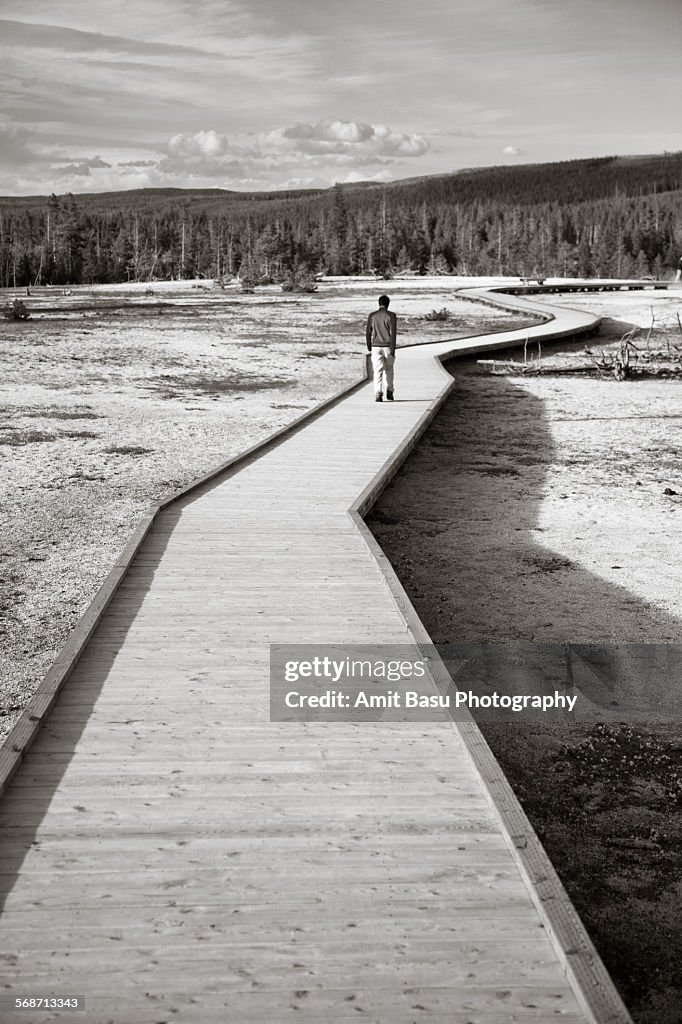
384 301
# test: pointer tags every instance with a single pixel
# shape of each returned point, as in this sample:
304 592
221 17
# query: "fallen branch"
634 844
533 369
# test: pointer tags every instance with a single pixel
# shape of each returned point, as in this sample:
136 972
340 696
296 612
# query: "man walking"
381 334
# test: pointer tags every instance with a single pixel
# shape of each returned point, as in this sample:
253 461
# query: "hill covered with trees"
610 216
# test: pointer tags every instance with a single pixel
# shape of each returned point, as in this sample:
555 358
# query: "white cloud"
358 141
354 176
324 145
202 144
512 151
203 154
103 179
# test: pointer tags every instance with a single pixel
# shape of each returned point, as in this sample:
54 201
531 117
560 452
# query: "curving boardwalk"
171 855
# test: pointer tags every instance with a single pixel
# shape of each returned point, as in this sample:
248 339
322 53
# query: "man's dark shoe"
389 396
378 398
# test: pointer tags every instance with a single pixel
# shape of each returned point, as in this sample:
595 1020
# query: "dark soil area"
608 815
473 524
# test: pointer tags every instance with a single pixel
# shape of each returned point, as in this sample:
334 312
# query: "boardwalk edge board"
587 975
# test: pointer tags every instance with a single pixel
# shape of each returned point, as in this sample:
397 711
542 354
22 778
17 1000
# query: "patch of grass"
200 384
16 310
63 414
128 449
549 563
20 437
300 284
627 754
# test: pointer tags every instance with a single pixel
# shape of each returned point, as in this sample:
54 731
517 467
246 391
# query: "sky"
273 94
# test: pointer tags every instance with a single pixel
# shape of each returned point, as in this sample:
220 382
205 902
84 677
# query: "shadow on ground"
461 523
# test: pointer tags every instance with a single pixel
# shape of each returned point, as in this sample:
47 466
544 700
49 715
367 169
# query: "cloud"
80 168
301 147
56 37
205 154
72 170
354 176
92 161
201 145
512 151
305 154
356 140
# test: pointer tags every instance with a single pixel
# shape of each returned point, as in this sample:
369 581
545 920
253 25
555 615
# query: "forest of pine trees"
612 217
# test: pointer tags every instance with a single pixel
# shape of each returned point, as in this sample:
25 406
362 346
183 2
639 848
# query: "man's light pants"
382 363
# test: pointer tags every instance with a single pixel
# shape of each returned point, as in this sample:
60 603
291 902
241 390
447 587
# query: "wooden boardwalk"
172 855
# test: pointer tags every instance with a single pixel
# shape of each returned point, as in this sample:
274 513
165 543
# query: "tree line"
611 217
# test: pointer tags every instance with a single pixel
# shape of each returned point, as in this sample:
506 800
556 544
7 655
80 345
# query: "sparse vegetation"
438 314
300 282
654 352
16 310
17 437
328 353
624 755
127 449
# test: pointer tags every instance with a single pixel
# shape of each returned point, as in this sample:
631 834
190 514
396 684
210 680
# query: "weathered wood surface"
170 854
